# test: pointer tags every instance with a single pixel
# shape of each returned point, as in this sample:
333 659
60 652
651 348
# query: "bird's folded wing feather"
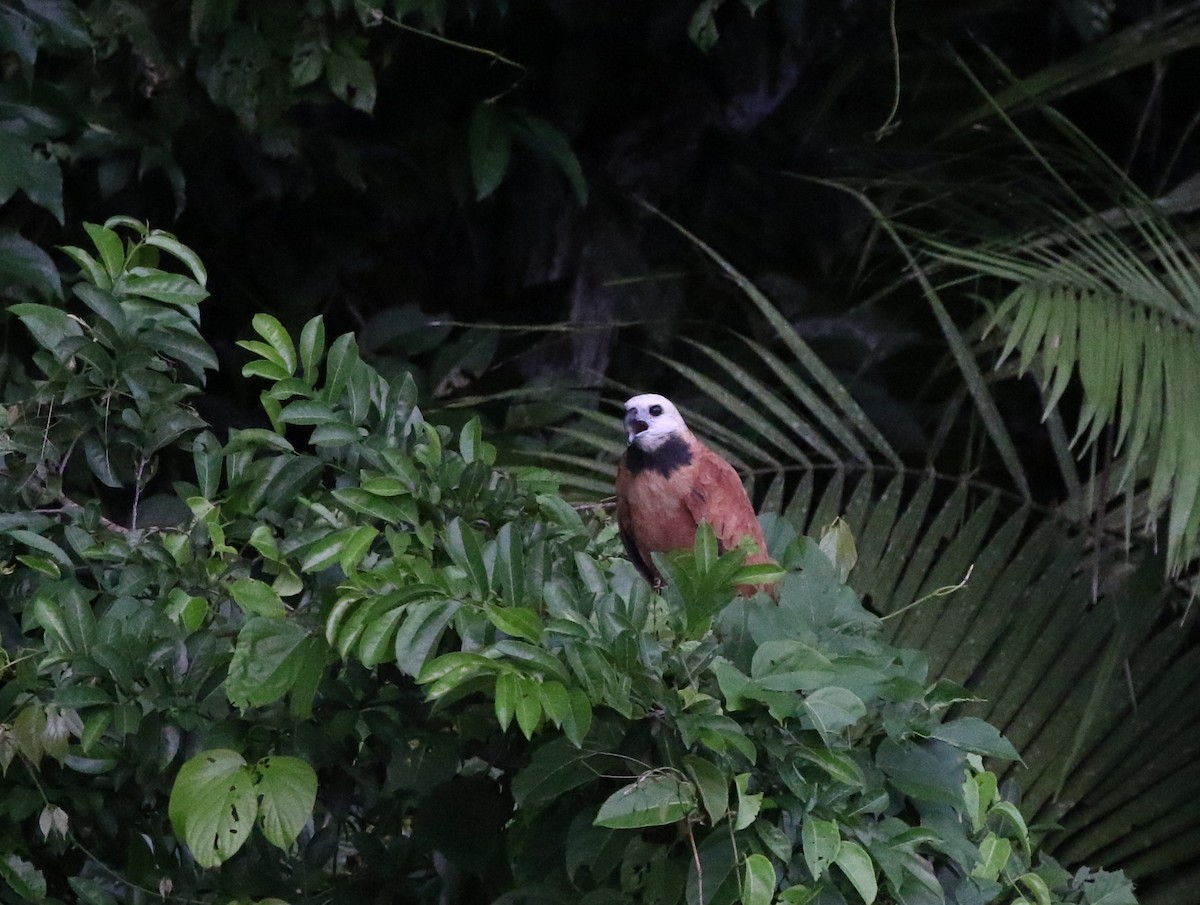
718 497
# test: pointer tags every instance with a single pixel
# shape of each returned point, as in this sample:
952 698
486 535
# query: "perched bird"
668 482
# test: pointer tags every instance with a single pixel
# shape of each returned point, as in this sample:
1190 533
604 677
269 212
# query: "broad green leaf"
833 709
180 252
181 291
748 805
325 552
41 545
519 622
112 250
420 632
309 412
1037 888
312 347
651 800
758 881
510 564
1012 814
49 326
22 263
266 661
556 768
505 703
280 341
214 804
821 843
528 706
24 878
93 271
394 512
579 720
343 358
837 543
555 701
977 736
713 785
466 549
256 598
490 140
994 852
288 790
856 864
447 672
798 895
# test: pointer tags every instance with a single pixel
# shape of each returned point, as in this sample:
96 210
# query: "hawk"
668 482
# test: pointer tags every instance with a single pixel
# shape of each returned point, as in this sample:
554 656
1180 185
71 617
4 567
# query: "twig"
937 592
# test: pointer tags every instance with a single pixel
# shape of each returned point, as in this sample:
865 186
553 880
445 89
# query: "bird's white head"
651 420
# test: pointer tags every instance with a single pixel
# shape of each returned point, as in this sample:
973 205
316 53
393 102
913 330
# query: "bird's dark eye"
655 410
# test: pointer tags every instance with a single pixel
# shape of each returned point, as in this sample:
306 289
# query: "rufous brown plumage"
668 482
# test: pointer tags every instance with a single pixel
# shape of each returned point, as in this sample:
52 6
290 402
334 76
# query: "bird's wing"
718 497
625 526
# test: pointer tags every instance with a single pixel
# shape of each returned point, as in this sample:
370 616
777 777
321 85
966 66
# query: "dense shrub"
343 657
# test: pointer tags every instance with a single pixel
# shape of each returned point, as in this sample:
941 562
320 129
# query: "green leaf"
214 804
856 864
528 706
288 790
256 598
994 852
172 246
490 143
505 703
466 549
445 674
758 881
26 169
266 661
510 564
351 79
748 805
312 347
343 358
977 736
548 139
41 545
555 769
702 28
93 271
713 785
837 543
25 879
112 250
174 289
579 719
277 337
420 632
327 551
519 622
652 800
23 263
833 709
49 326
821 843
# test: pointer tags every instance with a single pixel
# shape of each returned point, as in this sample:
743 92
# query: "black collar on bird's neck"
670 455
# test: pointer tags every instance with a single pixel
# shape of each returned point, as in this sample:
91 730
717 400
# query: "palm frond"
1119 310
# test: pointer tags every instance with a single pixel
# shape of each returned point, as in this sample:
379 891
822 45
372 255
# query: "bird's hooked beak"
634 426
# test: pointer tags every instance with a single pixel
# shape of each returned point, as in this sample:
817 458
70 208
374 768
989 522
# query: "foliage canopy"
343 655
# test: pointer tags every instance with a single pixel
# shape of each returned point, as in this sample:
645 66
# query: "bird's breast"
658 512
